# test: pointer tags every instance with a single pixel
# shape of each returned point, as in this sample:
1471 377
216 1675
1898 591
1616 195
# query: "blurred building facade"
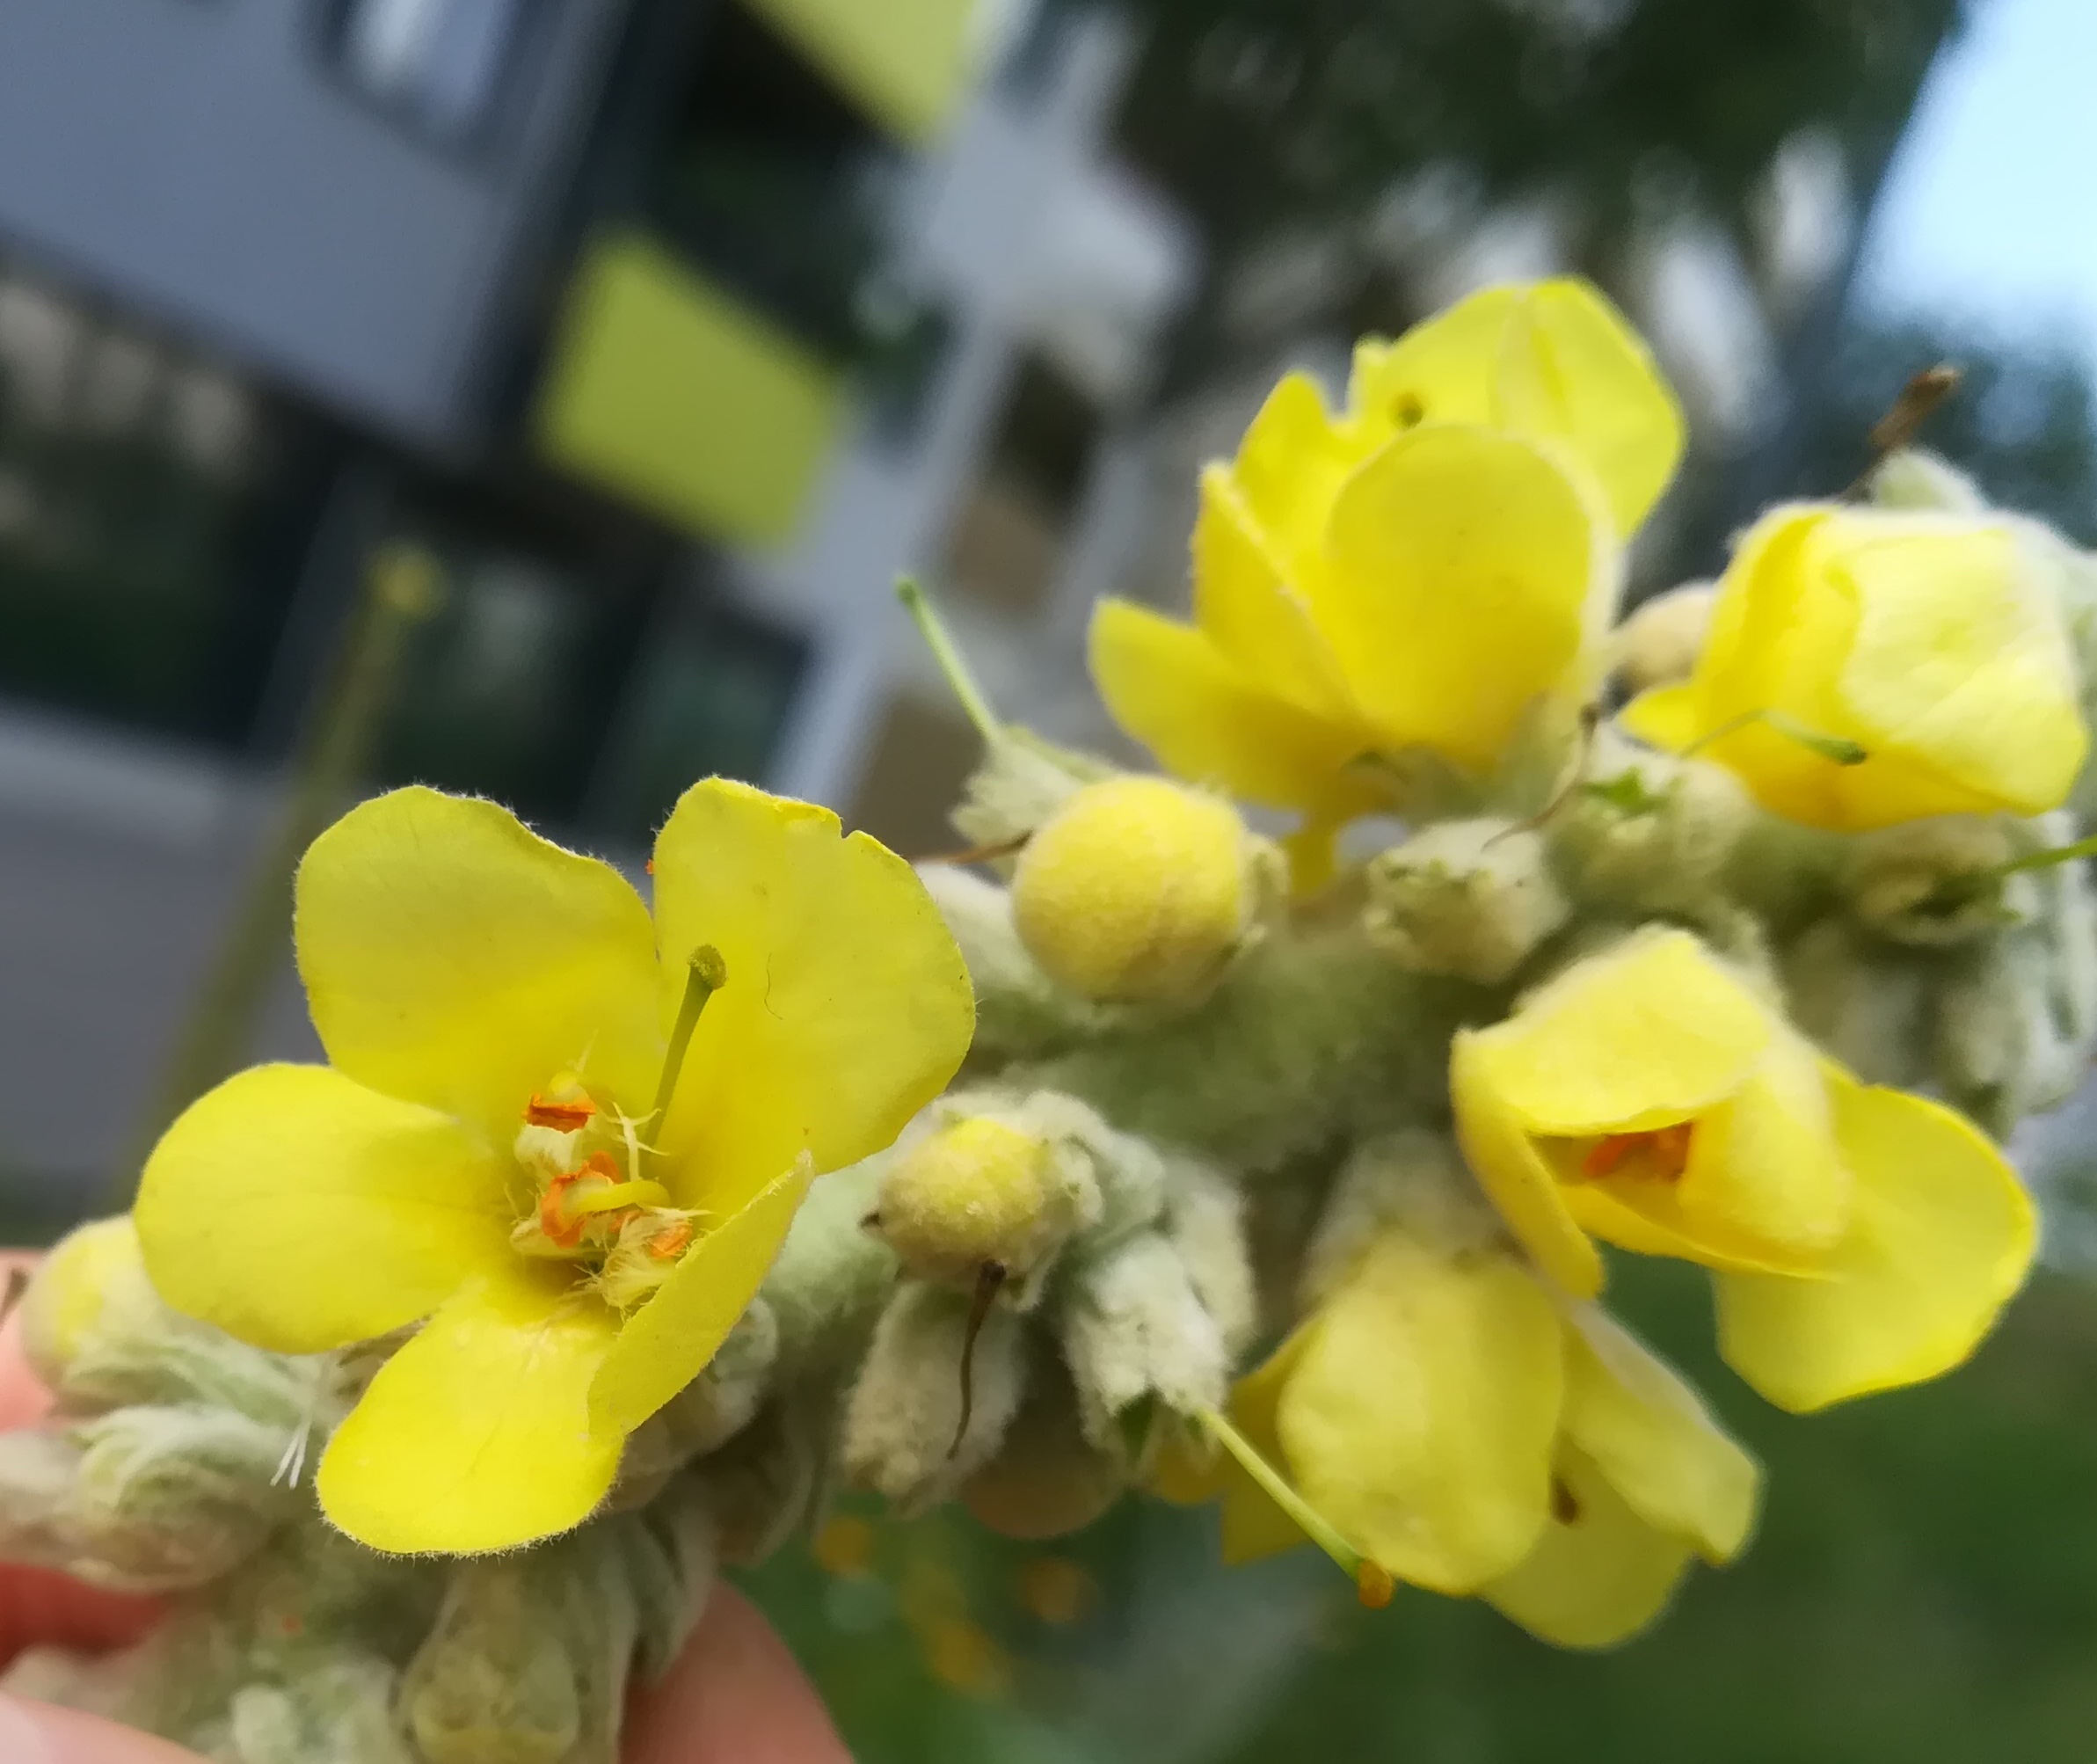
676 328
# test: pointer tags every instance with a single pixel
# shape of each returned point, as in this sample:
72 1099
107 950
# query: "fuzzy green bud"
1937 883
1660 642
1134 1328
1645 833
95 1277
1138 891
1468 899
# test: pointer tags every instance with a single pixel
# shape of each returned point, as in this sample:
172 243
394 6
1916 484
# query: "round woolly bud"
98 1266
1467 897
975 1194
1660 642
1137 891
1047 1479
1937 882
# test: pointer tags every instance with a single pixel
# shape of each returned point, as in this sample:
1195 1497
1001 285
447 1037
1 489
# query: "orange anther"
564 1116
1605 1154
553 1218
600 1164
1666 1149
669 1243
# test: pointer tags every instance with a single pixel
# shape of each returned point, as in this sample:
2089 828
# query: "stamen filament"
918 604
707 973
1838 748
1372 1581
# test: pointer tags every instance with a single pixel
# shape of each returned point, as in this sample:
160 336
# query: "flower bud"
1916 478
495 1680
983 1190
1048 1479
1469 899
93 1269
1934 883
1660 642
1138 891
1648 832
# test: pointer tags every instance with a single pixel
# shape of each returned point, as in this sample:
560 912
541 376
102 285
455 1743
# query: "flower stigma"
1372 1583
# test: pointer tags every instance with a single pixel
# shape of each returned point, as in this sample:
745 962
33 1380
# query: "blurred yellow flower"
1932 644
1860 1238
1417 573
1446 1418
533 1137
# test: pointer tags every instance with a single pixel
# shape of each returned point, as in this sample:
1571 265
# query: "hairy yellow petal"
667 1343
1168 686
1290 466
1960 663
1582 376
1598 1574
847 1006
452 957
1651 1031
1764 1174
1650 1434
477 1434
1943 1235
1247 604
1670 717
1420 1417
300 1211
1504 1158
1552 360
1468 575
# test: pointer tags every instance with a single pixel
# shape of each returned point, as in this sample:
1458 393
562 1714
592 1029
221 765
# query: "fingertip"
37 1733
736 1695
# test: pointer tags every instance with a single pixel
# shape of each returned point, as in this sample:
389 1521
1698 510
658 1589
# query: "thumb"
35 1734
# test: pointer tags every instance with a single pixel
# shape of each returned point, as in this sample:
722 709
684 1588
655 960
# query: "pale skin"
735 1696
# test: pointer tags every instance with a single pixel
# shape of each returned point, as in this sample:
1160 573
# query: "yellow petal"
1651 1031
1503 1157
1764 1174
1943 1235
299 1211
667 1344
1420 1417
1445 369
1580 376
1599 1575
1246 605
1291 465
1168 686
1669 717
1552 360
1960 663
452 957
1254 1527
477 1435
1652 1438
1468 576
847 1006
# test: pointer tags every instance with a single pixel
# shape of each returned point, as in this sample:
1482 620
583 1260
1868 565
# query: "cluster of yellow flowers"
1619 984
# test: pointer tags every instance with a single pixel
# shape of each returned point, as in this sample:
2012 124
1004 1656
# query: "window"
439 62
1007 544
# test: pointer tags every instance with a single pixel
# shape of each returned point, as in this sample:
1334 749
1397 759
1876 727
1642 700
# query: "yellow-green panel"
665 392
905 61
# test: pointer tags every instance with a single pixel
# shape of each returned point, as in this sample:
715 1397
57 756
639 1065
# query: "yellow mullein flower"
1416 574
1440 1414
1930 645
1860 1238
532 1141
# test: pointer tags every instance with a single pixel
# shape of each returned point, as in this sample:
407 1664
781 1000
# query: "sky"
1991 213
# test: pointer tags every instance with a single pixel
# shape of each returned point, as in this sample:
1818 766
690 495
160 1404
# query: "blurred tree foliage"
1262 112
